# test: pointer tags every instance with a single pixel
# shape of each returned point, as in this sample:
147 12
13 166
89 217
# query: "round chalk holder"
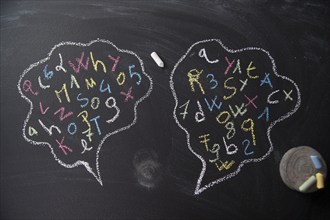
303 169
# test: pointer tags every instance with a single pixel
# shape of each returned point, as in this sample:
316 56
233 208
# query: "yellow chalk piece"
319 181
307 184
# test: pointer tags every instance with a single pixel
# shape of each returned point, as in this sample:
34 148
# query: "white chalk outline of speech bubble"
198 188
80 162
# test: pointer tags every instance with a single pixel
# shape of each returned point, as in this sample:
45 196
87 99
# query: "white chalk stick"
316 162
319 181
157 59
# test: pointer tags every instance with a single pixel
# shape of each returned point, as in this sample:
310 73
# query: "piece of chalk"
157 59
319 181
308 183
316 161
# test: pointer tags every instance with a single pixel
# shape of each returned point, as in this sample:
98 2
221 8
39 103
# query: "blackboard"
145 168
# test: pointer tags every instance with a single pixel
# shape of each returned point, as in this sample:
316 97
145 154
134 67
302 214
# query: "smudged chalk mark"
147 168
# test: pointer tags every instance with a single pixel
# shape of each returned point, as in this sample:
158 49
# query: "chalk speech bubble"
227 102
79 95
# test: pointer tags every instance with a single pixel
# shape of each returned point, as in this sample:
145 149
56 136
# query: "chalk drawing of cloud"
80 95
227 102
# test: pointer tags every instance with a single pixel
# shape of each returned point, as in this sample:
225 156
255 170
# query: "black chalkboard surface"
92 128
